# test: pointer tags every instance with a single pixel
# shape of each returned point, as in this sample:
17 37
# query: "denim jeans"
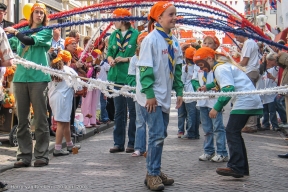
281 107
103 103
213 127
157 125
193 116
119 132
269 112
238 156
182 116
140 137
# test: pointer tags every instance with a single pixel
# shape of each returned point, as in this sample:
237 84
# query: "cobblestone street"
95 169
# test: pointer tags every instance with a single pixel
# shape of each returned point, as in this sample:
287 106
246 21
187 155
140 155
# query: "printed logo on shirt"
165 51
143 69
114 47
129 46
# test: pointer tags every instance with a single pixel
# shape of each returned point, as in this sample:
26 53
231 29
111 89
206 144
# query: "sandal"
136 154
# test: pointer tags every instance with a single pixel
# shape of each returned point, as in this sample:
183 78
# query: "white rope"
107 88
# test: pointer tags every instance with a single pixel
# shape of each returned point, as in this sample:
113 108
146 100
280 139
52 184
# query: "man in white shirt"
249 60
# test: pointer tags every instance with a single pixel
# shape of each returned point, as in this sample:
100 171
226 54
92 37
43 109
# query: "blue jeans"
213 127
238 155
157 125
140 137
269 112
281 107
103 103
182 116
193 116
119 132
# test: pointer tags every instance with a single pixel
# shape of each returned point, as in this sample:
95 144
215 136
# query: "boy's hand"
213 113
151 105
179 102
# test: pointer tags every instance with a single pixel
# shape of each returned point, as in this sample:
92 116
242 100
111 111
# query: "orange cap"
68 41
158 8
120 12
39 6
203 53
95 53
57 59
65 55
141 37
215 39
189 53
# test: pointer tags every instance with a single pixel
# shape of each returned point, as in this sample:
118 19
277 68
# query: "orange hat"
96 52
120 12
65 55
68 41
39 6
158 8
57 59
203 53
189 53
141 37
215 39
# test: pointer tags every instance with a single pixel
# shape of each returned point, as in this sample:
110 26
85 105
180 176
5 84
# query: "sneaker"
3 186
284 125
220 158
165 179
69 148
154 183
187 137
206 157
60 152
180 134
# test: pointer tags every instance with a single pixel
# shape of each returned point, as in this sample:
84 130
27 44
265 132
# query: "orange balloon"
27 10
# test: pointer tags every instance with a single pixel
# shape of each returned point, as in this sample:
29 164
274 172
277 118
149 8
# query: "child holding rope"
203 81
60 100
228 79
160 65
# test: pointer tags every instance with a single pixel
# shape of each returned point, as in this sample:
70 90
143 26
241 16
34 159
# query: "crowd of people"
155 63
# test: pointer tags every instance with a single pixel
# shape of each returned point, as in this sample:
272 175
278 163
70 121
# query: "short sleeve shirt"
229 75
154 53
250 50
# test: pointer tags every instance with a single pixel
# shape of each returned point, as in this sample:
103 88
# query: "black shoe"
3 186
283 155
21 163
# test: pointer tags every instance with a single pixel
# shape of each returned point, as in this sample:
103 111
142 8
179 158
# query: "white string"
107 88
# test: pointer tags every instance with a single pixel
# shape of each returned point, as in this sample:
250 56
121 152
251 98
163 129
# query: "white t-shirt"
103 72
228 74
186 79
250 50
264 82
154 53
132 65
198 75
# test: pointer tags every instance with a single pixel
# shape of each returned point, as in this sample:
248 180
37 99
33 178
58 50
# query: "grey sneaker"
69 148
206 157
154 183
220 158
60 152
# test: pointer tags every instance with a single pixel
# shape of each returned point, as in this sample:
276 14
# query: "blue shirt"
56 44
